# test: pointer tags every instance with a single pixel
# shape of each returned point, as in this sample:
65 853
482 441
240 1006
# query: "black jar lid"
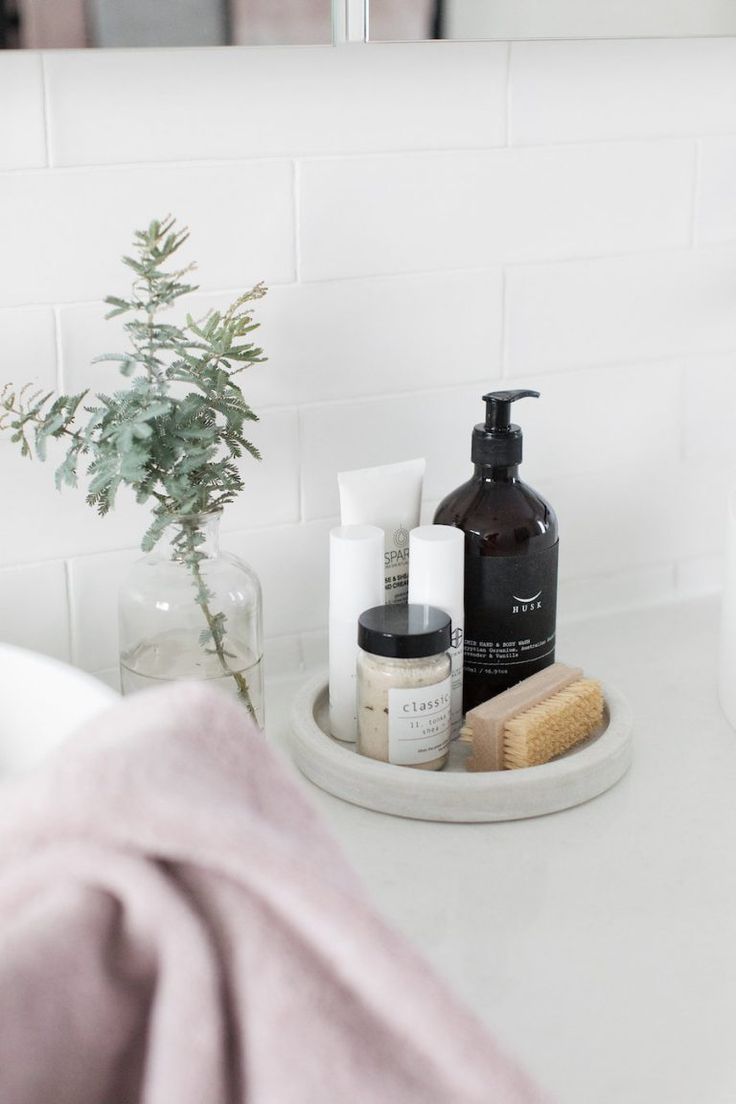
404 632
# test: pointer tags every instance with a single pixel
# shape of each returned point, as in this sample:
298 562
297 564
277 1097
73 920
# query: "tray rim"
504 795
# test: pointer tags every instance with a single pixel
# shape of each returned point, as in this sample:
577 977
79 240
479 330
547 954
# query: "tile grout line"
650 253
589 367
75 304
297 214
599 257
46 111
286 156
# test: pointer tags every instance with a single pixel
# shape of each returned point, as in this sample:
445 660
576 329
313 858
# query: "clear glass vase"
189 611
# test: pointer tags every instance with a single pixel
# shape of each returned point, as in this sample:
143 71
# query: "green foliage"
175 433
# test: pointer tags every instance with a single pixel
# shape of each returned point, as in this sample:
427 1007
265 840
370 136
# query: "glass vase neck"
198 534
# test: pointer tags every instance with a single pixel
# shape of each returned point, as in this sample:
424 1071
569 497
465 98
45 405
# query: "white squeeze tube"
356 584
436 578
390 497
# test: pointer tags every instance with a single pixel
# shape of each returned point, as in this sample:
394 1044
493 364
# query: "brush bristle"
554 726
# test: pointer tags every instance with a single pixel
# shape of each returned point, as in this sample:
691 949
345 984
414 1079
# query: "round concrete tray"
455 794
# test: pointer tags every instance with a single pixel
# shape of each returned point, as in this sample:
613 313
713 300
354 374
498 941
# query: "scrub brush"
539 718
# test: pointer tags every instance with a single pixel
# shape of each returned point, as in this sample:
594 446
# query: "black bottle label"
510 616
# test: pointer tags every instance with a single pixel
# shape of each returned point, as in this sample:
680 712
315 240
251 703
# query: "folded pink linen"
178 927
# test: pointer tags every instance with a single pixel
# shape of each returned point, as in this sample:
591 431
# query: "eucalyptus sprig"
176 432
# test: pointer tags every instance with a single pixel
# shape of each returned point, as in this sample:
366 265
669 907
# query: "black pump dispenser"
510 559
498 442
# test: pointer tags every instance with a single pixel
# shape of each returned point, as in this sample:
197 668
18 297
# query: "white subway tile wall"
22 126
709 408
602 91
716 196
273 102
364 216
433 220
34 610
28 347
63 230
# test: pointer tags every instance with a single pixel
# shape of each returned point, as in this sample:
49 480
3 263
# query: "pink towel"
177 927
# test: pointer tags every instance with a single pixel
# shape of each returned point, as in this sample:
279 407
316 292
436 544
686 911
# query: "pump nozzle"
498 407
498 443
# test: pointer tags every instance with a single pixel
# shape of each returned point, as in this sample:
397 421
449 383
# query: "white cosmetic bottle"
356 584
436 578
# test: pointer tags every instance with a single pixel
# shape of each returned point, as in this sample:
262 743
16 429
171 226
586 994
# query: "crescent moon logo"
525 600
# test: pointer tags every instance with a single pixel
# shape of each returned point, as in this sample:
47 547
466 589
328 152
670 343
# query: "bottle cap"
497 442
404 632
356 570
436 567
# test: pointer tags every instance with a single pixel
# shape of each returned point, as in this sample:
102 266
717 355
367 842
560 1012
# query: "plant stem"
214 624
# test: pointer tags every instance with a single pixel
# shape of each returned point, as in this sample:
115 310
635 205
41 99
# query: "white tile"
700 576
709 407
64 232
292 564
592 596
715 215
578 91
568 430
373 336
265 101
335 339
22 138
28 347
86 333
271 492
33 608
94 586
342 436
586 419
620 309
370 215
49 524
628 518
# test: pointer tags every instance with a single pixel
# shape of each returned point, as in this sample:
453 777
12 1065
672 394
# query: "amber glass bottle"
511 545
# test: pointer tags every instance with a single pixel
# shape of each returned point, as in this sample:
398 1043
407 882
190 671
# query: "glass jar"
404 685
189 611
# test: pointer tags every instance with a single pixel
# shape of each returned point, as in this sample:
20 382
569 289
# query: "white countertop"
598 944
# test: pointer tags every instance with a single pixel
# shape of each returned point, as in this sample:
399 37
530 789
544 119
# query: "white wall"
432 220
